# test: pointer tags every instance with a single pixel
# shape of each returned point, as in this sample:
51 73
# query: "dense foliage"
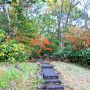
72 55
11 50
54 27
40 46
77 47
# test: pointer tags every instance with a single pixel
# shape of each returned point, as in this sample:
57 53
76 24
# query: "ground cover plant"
19 76
75 77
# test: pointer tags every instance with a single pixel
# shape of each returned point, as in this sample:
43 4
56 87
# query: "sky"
83 3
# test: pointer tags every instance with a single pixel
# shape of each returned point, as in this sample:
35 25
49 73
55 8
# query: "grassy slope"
76 77
23 77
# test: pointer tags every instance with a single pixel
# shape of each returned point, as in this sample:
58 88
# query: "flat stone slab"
55 87
49 72
47 66
52 81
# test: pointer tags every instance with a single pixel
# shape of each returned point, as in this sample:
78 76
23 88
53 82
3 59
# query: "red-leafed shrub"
79 38
40 46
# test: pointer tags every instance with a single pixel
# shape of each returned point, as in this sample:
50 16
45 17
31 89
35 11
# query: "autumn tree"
78 38
42 45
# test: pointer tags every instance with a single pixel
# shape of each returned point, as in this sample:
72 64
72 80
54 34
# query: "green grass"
23 76
75 77
20 77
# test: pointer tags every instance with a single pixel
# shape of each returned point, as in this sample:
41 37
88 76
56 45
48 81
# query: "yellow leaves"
49 9
2 35
2 54
12 12
65 3
50 2
15 3
56 5
3 46
18 47
53 6
18 1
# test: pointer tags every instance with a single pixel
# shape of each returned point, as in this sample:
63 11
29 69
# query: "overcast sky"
83 3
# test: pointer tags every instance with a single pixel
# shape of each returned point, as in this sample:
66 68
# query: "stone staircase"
51 78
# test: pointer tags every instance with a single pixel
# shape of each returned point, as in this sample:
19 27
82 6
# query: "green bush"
34 52
2 35
63 52
85 56
70 54
12 51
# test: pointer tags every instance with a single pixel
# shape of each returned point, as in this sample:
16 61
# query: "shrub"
72 55
12 51
40 46
85 54
2 35
34 53
63 52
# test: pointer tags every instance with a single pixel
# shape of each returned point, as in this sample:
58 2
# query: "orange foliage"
33 41
46 42
75 41
49 49
22 38
77 36
86 38
42 43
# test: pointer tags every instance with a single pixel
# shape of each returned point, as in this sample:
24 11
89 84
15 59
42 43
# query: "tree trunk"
67 19
15 27
60 34
85 19
6 8
59 24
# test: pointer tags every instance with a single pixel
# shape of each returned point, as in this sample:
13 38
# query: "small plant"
2 35
12 51
8 76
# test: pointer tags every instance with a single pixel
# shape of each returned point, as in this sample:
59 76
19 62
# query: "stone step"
45 63
51 77
47 66
52 81
54 87
50 87
49 73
